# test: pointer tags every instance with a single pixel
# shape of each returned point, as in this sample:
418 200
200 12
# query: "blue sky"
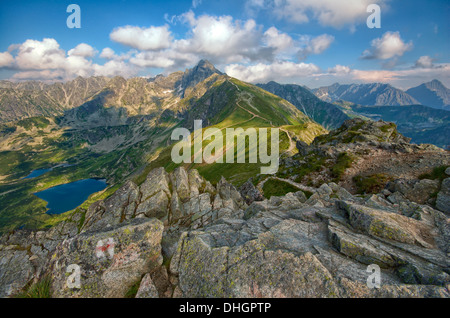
308 42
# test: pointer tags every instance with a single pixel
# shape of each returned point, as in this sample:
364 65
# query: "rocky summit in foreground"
176 235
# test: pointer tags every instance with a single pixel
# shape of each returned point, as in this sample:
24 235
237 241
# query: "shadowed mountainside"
326 114
433 94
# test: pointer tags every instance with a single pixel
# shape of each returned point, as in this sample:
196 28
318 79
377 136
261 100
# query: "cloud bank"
332 13
242 48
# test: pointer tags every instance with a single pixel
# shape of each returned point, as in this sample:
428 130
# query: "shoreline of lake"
74 194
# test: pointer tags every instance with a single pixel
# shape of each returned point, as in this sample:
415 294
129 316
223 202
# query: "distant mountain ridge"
27 99
139 96
374 94
433 94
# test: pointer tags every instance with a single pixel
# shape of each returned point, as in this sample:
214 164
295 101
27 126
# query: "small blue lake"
68 196
37 173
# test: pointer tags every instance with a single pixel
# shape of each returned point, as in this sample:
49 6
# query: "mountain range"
375 94
141 96
433 94
422 124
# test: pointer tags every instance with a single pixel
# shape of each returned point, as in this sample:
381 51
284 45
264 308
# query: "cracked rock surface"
176 235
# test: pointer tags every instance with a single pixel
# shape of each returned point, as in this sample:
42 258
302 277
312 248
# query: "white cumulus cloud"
280 70
339 69
45 54
152 59
83 49
145 39
278 40
221 38
315 45
388 46
45 60
108 53
424 62
114 68
6 59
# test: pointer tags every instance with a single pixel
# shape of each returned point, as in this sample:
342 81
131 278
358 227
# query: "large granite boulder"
250 193
109 262
418 191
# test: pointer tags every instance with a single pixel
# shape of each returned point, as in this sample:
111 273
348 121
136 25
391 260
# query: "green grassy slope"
235 104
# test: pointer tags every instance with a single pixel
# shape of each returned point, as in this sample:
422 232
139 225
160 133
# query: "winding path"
295 184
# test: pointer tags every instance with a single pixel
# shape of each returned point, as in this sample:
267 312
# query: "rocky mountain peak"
195 75
436 84
433 94
205 64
